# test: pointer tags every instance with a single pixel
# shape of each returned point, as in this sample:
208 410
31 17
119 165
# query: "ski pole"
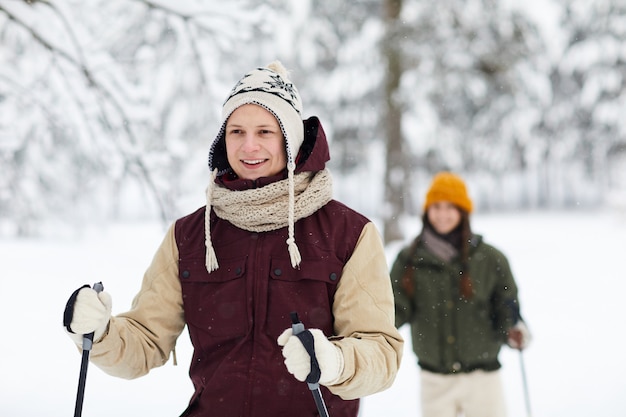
87 344
313 378
525 384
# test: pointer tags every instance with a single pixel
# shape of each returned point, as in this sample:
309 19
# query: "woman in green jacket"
460 298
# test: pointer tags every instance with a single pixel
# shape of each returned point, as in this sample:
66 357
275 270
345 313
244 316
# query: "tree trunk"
395 172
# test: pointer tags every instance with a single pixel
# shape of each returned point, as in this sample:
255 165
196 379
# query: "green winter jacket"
451 334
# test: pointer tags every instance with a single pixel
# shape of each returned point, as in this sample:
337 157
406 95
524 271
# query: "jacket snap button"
238 271
333 277
278 272
186 274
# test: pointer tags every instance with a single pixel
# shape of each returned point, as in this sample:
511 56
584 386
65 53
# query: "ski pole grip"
296 325
307 340
88 338
98 287
312 380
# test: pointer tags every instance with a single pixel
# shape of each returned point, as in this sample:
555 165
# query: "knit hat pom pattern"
449 187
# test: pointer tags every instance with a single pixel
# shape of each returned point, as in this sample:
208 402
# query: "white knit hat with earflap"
271 89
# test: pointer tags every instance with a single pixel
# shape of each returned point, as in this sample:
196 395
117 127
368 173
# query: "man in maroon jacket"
270 240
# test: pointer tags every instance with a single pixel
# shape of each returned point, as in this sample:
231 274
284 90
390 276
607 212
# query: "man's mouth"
253 161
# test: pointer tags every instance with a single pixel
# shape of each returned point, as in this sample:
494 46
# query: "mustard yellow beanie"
449 187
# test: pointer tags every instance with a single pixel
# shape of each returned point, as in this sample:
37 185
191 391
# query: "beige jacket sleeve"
142 338
364 317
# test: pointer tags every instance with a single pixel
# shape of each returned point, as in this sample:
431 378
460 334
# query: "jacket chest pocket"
309 291
215 303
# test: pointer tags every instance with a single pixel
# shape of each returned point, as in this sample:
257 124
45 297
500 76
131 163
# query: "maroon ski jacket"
235 313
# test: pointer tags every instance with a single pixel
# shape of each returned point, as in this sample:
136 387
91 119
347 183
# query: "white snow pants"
473 394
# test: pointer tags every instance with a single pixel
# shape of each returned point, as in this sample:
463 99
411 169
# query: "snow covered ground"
569 267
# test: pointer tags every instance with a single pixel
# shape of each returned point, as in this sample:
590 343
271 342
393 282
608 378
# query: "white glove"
298 361
91 313
519 336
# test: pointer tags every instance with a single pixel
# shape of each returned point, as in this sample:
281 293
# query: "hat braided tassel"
294 253
211 258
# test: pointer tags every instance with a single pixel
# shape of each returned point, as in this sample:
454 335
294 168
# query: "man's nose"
251 142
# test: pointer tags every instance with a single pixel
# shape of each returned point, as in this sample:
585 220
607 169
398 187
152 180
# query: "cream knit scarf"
268 208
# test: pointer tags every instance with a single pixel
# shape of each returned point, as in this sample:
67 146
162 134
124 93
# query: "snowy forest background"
107 108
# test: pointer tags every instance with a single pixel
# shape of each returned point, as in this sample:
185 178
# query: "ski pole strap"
68 313
308 341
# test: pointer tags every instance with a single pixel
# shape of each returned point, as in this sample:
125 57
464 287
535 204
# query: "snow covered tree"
103 100
472 89
583 125
106 105
397 172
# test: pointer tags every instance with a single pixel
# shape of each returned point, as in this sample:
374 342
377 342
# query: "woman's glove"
87 311
519 336
298 361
